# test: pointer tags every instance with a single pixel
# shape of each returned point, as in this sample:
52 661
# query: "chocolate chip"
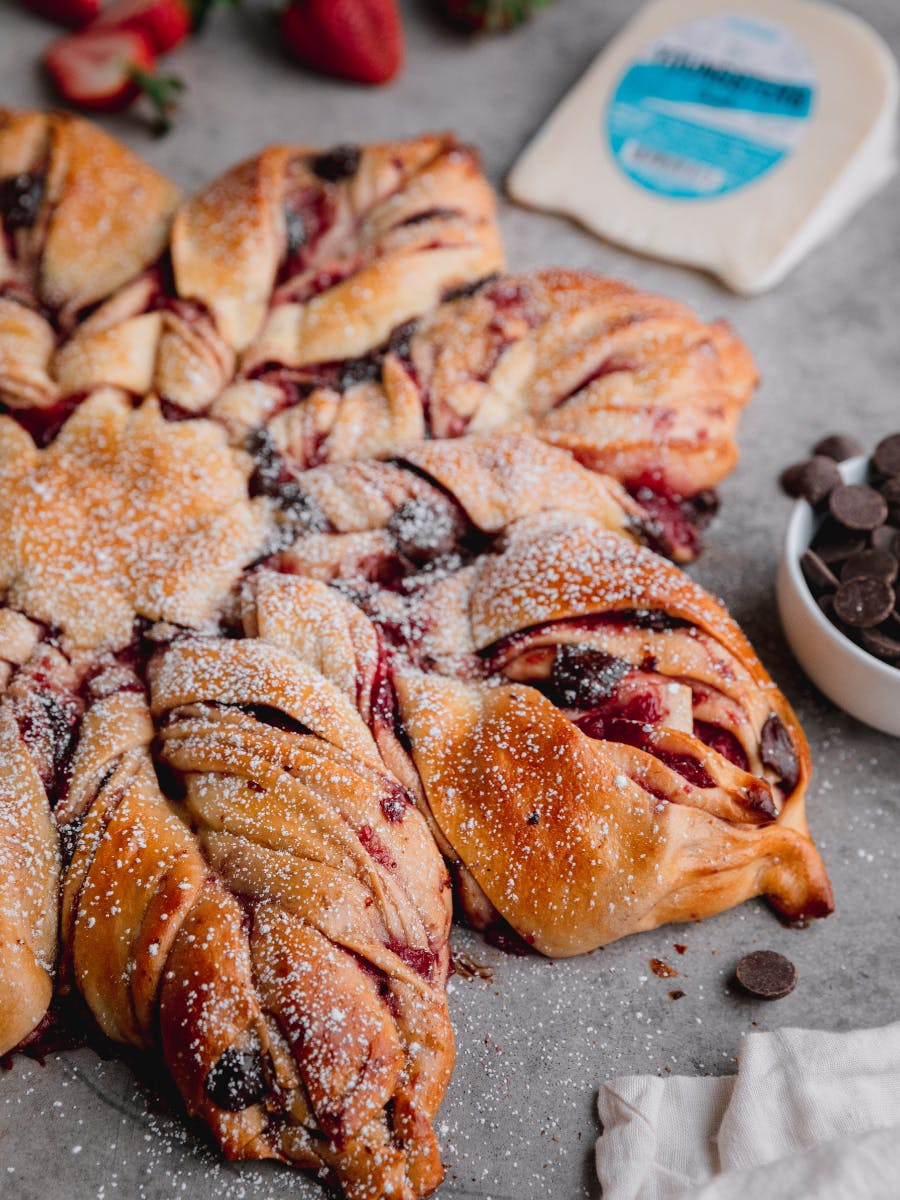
864 602
766 974
295 230
423 531
269 463
813 480
886 457
360 370
340 162
20 200
857 507
792 478
303 511
891 493
839 446
778 754
237 1080
873 564
882 641
583 676
833 546
816 573
886 537
826 603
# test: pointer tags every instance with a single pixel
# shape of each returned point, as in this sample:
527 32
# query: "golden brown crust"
250 887
38 712
123 515
104 214
583 826
382 242
570 850
281 929
93 217
29 853
629 382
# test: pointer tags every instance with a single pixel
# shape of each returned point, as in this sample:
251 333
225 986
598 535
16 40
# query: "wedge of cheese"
722 134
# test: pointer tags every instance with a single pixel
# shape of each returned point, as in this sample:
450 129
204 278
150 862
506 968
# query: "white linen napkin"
810 1114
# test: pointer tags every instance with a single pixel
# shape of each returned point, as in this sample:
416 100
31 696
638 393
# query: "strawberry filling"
629 701
420 960
375 848
671 523
723 742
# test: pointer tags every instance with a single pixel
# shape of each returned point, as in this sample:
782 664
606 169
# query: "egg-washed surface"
241 662
346 304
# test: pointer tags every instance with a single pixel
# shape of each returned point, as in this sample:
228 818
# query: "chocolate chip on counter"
792 478
870 564
839 446
864 602
778 754
817 574
857 507
237 1080
886 458
813 479
766 974
883 641
886 537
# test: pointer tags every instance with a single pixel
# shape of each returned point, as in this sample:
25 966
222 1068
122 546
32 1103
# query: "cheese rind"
722 135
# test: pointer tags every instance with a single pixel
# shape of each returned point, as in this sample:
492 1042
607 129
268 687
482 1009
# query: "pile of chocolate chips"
851 565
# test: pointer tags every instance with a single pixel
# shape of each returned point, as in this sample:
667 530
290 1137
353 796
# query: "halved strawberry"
353 39
104 70
71 13
164 23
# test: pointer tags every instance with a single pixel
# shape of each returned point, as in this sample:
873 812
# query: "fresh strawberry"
104 70
353 39
487 16
71 13
164 23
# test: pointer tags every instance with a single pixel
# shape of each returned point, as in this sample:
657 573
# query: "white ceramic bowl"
857 682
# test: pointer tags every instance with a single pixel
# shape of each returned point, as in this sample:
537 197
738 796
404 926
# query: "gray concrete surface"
533 1044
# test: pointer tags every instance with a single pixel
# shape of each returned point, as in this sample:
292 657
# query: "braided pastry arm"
305 256
39 708
281 929
628 381
430 511
296 256
80 217
620 760
633 385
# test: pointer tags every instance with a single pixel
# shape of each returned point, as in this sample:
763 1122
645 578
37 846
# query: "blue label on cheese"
710 106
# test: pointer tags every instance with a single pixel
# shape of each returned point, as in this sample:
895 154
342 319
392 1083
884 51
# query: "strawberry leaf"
200 10
162 91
